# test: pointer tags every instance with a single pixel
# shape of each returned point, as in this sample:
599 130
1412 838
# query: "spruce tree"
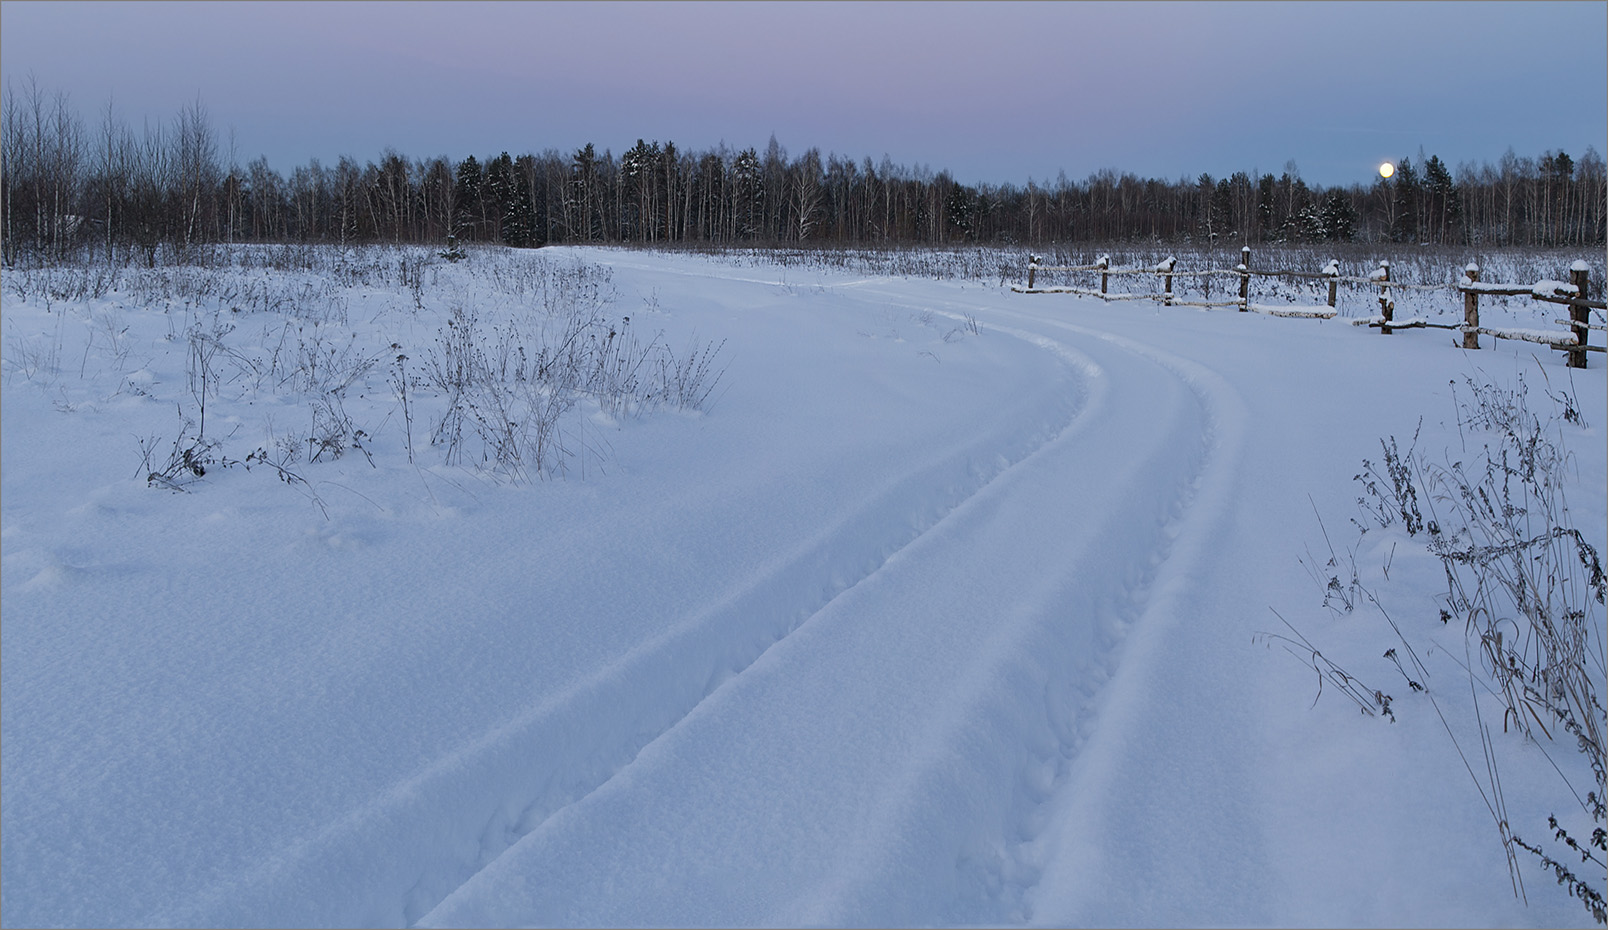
519 216
1264 205
1223 207
497 196
1301 224
529 215
639 166
1407 192
746 174
1444 208
586 220
466 192
1338 218
960 208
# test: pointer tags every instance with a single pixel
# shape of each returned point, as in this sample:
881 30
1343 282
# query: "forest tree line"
71 187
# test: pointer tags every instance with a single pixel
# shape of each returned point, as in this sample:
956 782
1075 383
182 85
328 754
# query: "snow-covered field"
919 602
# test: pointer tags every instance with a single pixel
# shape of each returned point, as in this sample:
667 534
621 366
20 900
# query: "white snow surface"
913 625
1553 289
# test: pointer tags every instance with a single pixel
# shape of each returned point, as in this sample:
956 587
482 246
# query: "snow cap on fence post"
1166 268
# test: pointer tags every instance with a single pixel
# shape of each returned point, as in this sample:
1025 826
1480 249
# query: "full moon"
1386 170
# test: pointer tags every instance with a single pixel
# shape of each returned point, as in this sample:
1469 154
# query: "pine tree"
670 191
1557 175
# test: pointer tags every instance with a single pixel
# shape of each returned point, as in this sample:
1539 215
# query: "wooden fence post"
1245 278
1032 266
1471 309
1333 271
1166 268
1580 277
1105 265
1387 307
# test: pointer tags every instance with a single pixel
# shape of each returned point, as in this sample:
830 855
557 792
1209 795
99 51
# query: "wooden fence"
1573 294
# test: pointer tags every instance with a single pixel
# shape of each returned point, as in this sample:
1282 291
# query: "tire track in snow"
903 741
462 812
1000 864
1087 774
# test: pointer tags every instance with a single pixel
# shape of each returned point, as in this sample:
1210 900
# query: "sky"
993 92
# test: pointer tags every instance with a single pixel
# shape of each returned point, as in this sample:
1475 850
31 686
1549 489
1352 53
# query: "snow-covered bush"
498 360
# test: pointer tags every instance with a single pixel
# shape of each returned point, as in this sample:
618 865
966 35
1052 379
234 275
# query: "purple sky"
992 91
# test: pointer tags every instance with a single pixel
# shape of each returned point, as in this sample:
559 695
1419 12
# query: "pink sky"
991 91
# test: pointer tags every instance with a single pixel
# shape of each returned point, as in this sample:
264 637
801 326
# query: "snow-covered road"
886 760
924 623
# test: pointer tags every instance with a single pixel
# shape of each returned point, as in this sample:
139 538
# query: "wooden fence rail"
1573 294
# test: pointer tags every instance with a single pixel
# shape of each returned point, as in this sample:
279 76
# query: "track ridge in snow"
473 804
719 683
999 870
1082 782
950 763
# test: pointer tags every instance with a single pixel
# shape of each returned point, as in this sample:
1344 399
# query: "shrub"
1527 589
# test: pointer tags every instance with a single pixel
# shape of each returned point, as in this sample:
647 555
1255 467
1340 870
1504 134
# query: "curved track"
957 684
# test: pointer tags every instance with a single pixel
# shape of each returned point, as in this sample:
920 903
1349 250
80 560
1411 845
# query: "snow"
917 622
1553 337
1547 288
1322 311
1542 288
